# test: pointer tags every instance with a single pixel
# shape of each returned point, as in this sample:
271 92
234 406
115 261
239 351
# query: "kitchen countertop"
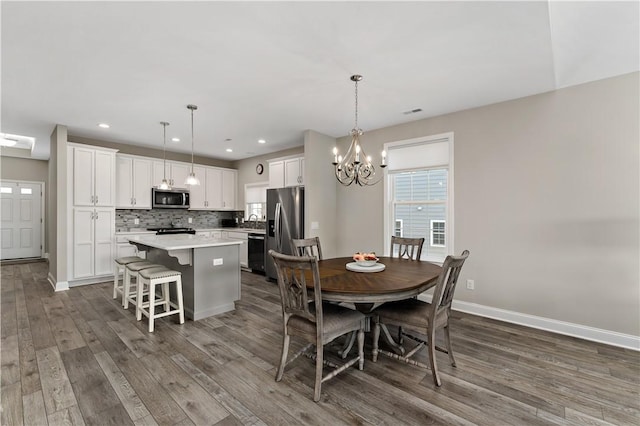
125 231
181 241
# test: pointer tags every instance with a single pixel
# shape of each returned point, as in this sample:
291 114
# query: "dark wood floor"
77 357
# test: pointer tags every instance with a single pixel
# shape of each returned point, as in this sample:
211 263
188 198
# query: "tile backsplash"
159 218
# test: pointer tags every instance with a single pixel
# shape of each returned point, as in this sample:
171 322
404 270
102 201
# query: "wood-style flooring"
76 357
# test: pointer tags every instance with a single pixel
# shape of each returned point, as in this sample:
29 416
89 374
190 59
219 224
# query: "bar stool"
131 270
119 266
152 277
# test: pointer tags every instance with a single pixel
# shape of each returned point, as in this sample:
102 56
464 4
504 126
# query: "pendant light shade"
164 184
192 180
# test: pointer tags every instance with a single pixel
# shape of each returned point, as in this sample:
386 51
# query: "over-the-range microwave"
169 198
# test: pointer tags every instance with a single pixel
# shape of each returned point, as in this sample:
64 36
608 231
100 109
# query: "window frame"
389 229
432 232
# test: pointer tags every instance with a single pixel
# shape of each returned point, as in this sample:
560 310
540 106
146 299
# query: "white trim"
449 225
432 231
286 157
599 335
57 286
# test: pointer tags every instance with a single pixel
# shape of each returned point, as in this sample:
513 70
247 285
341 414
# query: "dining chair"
422 318
315 322
407 248
307 247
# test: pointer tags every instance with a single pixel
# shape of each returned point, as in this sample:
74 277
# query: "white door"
214 188
142 183
104 168
124 169
292 172
20 219
229 189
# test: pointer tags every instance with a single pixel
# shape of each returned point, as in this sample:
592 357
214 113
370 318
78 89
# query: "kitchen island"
210 269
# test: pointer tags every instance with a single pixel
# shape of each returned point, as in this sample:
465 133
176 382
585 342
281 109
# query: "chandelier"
356 166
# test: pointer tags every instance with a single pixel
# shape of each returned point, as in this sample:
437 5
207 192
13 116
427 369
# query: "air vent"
413 111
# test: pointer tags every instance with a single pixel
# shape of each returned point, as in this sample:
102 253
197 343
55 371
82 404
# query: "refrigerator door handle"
277 230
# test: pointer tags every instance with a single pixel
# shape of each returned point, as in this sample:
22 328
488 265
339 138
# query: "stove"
166 231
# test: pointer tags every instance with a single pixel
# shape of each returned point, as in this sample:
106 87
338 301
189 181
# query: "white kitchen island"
210 269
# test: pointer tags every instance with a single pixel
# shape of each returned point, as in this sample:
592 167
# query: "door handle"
277 228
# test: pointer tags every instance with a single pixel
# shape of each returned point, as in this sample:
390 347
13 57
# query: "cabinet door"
197 196
141 183
158 172
229 189
214 188
302 171
104 229
83 242
124 178
83 176
104 180
292 172
276 174
179 173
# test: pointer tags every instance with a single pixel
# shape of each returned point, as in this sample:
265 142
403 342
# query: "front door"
20 219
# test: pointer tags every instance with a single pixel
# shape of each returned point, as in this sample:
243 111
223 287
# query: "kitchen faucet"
255 222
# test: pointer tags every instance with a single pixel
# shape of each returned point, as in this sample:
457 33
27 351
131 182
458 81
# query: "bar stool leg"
152 304
116 276
166 296
126 287
179 295
139 288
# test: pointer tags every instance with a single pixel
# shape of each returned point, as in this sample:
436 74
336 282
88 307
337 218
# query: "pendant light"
192 179
164 184
356 166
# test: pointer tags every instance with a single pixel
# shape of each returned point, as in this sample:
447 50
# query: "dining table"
400 279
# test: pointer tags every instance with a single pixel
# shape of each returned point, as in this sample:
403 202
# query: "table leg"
387 336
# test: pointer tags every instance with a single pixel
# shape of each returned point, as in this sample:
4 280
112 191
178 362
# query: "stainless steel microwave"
169 198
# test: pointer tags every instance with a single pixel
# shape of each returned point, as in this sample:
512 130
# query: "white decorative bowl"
366 262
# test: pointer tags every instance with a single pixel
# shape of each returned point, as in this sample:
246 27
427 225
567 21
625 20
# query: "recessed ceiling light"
104 125
16 141
261 141
175 139
228 140
229 150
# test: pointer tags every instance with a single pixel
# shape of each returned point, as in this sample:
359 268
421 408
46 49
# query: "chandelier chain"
356 127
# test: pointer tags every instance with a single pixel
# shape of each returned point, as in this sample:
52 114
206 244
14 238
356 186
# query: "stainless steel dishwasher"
256 252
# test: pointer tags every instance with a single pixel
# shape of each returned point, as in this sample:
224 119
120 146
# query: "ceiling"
270 70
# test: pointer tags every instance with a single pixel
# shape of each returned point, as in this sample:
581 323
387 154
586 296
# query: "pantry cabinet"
93 176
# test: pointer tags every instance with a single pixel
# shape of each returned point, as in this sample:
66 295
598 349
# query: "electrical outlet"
190 220
471 285
136 221
217 262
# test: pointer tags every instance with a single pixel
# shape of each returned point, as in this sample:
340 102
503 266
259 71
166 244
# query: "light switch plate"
136 221
217 262
315 225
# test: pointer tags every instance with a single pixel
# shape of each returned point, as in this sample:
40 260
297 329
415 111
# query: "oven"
256 252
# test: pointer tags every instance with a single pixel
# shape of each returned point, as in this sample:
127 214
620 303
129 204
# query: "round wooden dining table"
401 279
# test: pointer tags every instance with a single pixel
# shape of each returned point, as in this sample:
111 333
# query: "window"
419 193
437 233
255 198
259 209
25 191
6 190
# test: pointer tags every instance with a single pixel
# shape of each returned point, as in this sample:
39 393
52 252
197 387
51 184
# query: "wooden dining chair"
307 247
422 318
407 248
315 322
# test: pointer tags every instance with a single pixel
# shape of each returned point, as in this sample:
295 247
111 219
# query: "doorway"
21 229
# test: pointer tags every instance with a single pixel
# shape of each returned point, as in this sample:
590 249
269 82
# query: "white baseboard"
570 329
57 285
45 256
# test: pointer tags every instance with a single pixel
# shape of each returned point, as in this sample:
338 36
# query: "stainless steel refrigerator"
285 220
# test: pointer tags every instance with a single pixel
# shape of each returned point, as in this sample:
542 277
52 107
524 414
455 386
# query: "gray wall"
57 205
546 199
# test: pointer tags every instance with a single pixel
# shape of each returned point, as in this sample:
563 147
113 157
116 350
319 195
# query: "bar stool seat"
131 270
119 266
150 278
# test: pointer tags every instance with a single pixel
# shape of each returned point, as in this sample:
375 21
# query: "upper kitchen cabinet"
133 182
229 185
286 172
176 173
217 189
93 175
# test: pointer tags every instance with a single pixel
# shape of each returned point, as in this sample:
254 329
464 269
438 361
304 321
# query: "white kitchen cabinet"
244 248
93 231
286 172
207 195
229 185
93 172
133 182
294 171
176 173
276 174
